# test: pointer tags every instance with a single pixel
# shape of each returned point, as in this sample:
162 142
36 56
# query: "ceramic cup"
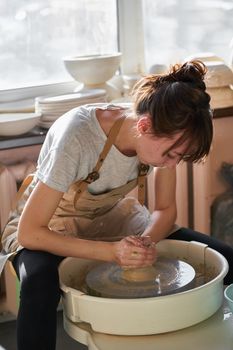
228 294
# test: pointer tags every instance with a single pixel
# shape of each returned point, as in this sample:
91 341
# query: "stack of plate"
219 79
52 107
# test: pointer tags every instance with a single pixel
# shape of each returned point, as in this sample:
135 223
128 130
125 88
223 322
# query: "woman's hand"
133 251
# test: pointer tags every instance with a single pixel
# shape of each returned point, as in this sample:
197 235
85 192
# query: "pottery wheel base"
167 276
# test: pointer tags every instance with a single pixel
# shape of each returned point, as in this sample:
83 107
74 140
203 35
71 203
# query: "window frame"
130 26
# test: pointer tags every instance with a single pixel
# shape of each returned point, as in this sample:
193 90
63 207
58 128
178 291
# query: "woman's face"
152 150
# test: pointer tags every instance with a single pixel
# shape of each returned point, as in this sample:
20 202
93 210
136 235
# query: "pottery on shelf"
95 71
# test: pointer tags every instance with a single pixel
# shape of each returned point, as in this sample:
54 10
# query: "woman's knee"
38 274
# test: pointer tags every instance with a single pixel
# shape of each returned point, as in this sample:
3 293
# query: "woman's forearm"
161 224
66 245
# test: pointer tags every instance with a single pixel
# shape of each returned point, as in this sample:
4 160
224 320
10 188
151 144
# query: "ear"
144 125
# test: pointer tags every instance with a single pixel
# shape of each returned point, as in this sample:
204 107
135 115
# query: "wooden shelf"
223 112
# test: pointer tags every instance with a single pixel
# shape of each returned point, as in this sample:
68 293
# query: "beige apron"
108 216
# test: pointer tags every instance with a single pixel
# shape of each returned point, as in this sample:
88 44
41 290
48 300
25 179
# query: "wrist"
112 251
106 251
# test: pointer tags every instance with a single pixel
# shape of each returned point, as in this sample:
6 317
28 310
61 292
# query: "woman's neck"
125 140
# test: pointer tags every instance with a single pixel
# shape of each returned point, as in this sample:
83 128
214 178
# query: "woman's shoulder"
71 123
80 122
78 116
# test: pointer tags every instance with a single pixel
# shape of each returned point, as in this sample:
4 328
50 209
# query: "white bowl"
93 69
221 97
130 80
12 124
146 316
218 74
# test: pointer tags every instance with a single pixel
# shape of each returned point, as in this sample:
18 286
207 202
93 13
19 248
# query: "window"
175 29
36 34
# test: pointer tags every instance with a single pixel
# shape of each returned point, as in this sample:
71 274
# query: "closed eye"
170 156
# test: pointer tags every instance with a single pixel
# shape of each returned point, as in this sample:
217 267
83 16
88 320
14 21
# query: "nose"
171 163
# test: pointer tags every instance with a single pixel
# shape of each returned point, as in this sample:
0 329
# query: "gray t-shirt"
71 150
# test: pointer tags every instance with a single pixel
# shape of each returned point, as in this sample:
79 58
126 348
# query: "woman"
76 205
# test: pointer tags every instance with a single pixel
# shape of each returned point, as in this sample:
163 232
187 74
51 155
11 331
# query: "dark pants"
40 292
39 298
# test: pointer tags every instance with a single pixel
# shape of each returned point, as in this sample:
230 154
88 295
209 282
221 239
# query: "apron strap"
24 185
114 131
94 175
143 170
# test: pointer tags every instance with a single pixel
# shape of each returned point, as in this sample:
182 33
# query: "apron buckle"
92 177
143 169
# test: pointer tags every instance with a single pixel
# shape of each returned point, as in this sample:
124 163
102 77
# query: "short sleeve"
58 170
59 158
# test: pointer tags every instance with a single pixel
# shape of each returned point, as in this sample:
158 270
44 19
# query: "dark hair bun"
189 72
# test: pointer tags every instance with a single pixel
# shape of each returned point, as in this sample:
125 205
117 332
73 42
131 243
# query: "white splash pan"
146 316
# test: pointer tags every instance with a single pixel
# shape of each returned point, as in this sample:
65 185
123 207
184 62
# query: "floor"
64 342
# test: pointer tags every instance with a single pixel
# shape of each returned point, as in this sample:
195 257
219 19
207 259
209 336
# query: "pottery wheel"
167 276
